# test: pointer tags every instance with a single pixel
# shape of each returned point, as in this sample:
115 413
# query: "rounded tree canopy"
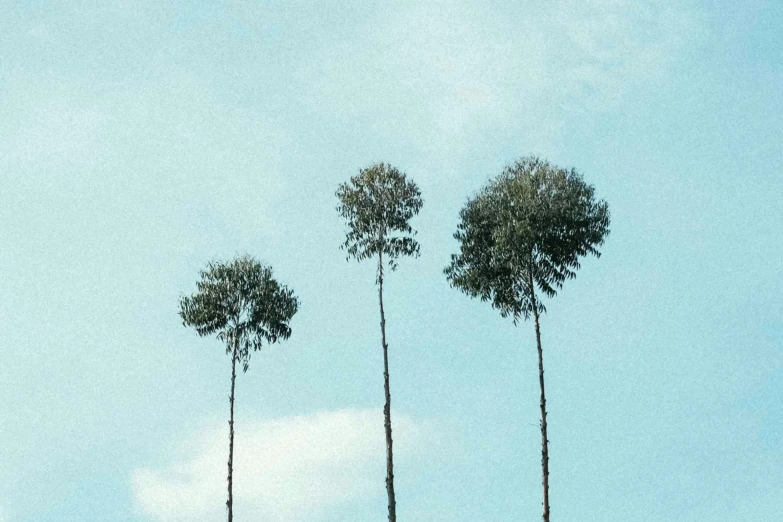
377 205
242 303
528 227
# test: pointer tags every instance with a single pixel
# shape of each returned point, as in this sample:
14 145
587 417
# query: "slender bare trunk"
387 407
544 440
230 502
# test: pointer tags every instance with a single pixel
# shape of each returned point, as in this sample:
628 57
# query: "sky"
141 140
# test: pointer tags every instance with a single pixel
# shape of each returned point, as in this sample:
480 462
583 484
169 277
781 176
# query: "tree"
526 230
377 205
242 303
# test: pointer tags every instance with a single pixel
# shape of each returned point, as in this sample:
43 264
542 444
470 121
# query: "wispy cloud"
443 68
286 469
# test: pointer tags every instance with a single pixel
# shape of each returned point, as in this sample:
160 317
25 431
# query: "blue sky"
139 140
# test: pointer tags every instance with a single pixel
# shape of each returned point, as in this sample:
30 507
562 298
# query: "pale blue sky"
139 140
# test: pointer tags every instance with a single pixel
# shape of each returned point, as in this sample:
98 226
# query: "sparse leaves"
242 303
377 205
528 227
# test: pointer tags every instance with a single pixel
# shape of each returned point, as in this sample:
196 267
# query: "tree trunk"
230 502
544 440
387 407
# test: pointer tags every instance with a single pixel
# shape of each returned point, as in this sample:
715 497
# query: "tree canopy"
377 205
242 302
530 224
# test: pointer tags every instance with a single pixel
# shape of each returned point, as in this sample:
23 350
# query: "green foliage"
242 303
377 205
527 227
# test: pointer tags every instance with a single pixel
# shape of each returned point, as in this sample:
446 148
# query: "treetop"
526 228
377 205
242 303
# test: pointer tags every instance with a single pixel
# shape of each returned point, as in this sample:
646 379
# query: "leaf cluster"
528 227
242 302
377 205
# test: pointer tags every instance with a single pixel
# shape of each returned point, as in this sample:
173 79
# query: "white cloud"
449 66
284 470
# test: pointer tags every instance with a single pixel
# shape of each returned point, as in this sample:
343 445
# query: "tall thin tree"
526 231
377 205
245 306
